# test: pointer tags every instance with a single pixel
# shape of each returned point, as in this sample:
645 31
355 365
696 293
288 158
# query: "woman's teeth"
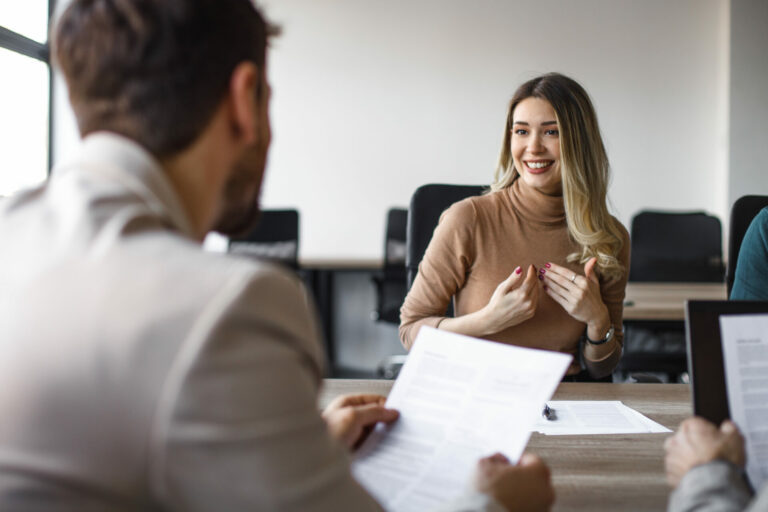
539 165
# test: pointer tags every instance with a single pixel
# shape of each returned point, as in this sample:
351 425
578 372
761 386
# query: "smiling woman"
538 261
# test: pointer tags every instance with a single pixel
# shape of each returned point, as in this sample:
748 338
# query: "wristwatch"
608 337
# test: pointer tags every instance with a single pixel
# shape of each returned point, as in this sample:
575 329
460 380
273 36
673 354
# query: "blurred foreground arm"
706 466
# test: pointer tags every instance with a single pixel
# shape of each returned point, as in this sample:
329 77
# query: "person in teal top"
751 280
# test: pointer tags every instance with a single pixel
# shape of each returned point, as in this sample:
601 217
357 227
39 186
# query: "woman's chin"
543 182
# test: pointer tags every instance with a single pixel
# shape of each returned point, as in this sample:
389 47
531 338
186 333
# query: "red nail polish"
541 271
518 270
547 265
541 277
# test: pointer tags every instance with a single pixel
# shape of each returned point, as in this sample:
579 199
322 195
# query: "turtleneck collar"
535 206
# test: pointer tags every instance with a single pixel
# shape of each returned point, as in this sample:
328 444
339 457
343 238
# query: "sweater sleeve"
751 280
716 486
442 271
600 360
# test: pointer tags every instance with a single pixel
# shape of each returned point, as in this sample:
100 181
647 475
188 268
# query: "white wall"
748 99
372 99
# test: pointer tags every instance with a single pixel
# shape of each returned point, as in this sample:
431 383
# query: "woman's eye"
520 131
553 132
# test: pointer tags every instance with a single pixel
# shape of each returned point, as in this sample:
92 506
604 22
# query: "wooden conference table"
599 472
666 301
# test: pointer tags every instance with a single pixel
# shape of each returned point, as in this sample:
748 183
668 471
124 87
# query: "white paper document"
459 399
745 353
596 417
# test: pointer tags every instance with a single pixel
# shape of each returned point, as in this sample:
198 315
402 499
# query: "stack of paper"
596 417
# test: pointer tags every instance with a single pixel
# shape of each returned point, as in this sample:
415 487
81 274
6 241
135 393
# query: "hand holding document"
745 353
459 399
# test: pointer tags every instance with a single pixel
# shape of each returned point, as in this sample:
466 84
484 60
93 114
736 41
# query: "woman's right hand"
513 302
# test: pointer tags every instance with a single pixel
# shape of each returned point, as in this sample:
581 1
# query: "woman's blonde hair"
583 166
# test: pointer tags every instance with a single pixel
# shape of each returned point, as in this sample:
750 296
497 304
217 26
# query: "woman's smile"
538 166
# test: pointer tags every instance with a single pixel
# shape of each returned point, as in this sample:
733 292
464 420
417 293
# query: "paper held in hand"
459 399
745 354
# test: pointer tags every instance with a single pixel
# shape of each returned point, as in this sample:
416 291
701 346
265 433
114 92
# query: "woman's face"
536 145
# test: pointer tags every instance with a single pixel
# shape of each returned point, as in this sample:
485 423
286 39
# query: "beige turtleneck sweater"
478 244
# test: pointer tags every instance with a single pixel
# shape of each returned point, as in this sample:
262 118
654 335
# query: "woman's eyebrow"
545 123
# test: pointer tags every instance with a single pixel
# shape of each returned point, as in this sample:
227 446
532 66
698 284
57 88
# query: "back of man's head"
154 70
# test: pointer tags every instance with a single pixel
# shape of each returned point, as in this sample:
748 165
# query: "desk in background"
654 335
321 275
666 301
644 303
620 473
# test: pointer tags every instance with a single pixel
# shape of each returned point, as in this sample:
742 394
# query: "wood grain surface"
598 472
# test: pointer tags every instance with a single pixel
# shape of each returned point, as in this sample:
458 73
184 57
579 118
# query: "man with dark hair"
138 372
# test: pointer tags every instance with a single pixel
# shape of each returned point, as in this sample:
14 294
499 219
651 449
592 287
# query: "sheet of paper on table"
459 399
582 417
745 354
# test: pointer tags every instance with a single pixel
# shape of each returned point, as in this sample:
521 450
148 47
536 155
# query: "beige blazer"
138 372
717 486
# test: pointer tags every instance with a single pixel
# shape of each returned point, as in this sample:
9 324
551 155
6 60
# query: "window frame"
27 47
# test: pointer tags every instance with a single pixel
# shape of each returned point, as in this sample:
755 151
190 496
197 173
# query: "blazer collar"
121 159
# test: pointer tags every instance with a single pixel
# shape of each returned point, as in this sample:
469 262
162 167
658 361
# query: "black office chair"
275 238
668 247
427 204
390 283
676 247
743 211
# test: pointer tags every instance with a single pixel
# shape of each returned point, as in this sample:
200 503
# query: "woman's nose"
535 145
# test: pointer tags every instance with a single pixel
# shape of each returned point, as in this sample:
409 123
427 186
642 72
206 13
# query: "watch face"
607 338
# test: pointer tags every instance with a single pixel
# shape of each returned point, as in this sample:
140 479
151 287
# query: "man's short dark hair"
155 70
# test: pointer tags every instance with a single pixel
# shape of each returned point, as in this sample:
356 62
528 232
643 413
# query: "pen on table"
549 413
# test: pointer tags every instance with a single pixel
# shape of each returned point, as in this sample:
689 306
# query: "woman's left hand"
579 296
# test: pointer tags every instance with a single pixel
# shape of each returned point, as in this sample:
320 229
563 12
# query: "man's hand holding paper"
460 399
350 418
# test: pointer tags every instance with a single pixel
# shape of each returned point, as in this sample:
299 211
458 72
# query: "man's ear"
243 85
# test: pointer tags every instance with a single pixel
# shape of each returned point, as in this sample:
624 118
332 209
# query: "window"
25 92
28 18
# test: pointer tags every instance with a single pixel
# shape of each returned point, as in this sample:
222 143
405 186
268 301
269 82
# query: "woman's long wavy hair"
583 166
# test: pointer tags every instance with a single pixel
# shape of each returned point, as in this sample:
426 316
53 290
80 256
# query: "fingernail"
541 271
541 277
547 265
518 270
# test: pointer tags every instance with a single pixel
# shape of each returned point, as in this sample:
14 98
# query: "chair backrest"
275 238
390 283
743 212
427 203
676 247
394 241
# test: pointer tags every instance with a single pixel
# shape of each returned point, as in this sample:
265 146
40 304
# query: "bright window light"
26 17
24 121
